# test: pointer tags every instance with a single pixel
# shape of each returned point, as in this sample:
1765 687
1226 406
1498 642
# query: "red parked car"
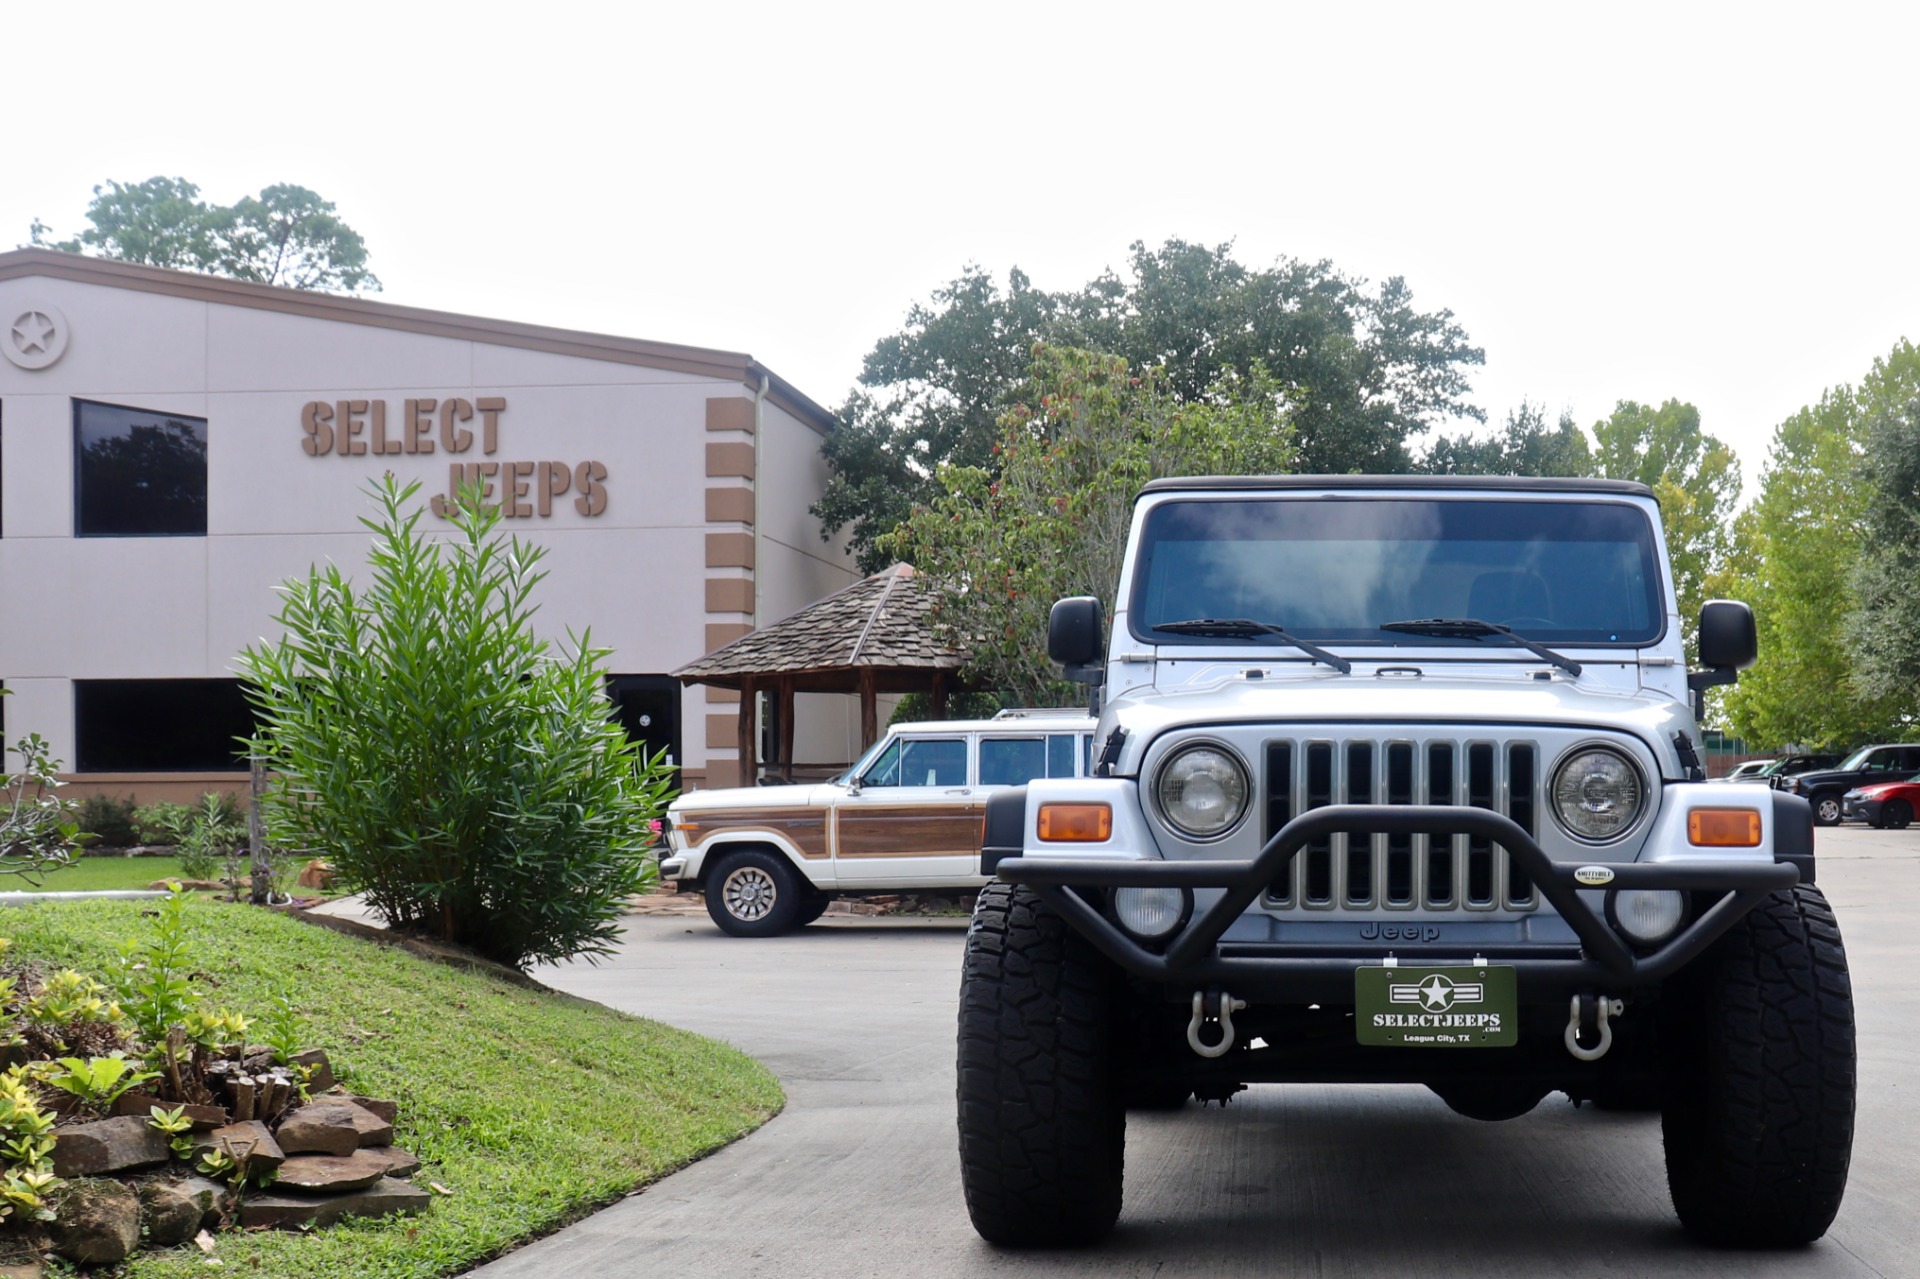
1883 804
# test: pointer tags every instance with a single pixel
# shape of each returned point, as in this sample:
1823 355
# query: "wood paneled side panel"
804 828
918 830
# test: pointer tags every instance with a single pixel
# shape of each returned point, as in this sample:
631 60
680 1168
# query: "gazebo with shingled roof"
873 637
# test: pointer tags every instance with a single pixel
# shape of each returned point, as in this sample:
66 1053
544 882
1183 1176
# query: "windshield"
1338 568
1855 761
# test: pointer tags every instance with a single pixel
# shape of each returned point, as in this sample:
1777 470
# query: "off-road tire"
812 908
1827 809
1758 1124
1042 1118
755 893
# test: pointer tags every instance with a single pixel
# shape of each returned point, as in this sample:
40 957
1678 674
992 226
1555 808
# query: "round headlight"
1203 791
1648 915
1151 913
1597 795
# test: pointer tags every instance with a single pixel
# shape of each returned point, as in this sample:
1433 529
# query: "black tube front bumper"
1194 958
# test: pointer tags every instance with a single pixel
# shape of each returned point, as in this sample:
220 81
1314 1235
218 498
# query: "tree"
1794 559
286 235
1883 626
471 782
1525 446
1084 434
1696 478
1361 368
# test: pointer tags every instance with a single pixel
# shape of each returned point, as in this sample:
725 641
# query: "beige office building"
173 446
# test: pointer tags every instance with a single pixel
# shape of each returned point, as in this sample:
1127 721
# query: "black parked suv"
1868 764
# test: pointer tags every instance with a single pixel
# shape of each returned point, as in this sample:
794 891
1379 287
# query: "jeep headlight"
1202 790
1597 795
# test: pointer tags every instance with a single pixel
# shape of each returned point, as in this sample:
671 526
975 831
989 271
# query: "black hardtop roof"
1443 483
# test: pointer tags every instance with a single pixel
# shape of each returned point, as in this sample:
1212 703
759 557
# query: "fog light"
1151 913
1647 915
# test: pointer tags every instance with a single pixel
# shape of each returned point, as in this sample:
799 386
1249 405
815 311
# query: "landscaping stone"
331 1174
288 1211
98 1222
140 1104
24 1270
322 1077
108 1145
332 1127
387 1110
172 1212
248 1142
397 1162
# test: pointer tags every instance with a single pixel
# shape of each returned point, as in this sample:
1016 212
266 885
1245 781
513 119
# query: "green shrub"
161 822
108 820
207 837
466 777
38 832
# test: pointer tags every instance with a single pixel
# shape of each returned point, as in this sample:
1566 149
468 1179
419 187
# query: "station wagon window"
938 761
1060 753
1012 761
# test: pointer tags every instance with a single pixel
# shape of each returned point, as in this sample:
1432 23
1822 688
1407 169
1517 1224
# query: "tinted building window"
159 725
138 473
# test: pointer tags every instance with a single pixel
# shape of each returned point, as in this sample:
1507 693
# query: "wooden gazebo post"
749 749
869 710
784 713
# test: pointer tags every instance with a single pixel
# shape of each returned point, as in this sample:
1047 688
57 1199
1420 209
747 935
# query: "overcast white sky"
1714 203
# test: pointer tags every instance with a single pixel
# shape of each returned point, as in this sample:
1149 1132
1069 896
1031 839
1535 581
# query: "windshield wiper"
1474 628
1242 628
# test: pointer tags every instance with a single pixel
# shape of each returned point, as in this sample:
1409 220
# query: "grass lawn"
532 1108
92 874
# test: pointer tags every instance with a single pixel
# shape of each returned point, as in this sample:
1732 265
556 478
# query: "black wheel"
1898 814
1758 1124
1826 809
1042 1119
812 908
755 893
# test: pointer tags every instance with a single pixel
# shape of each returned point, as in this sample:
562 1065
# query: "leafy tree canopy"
286 235
1794 558
1525 446
1050 520
1696 478
1883 627
1362 369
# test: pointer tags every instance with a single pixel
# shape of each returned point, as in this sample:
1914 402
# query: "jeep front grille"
1357 871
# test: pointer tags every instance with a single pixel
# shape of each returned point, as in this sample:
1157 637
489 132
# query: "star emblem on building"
33 333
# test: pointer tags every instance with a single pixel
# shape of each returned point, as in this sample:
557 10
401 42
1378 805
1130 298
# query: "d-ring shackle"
1228 1006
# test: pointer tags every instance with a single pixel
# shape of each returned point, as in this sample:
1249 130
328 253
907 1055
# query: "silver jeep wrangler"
1397 780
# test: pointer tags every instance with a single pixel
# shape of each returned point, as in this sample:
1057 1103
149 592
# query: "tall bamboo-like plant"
460 771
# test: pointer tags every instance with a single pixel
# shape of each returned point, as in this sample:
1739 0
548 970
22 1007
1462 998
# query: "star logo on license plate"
1437 993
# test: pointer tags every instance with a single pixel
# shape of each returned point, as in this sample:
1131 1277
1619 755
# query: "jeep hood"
1461 701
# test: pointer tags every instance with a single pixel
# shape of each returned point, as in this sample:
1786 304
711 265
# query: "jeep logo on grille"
1399 932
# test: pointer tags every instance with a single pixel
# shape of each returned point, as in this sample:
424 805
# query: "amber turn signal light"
1724 828
1076 823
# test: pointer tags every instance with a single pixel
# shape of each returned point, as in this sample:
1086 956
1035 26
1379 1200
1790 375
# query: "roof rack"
1040 712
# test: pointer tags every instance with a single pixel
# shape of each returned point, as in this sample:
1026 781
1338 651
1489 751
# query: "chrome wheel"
749 893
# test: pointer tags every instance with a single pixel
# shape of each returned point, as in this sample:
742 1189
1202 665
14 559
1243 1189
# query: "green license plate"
1461 1007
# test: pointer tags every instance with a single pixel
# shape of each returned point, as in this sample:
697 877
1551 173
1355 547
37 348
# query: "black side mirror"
1727 637
1076 633
1728 645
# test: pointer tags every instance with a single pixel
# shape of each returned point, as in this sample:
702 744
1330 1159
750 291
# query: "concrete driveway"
859 1176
